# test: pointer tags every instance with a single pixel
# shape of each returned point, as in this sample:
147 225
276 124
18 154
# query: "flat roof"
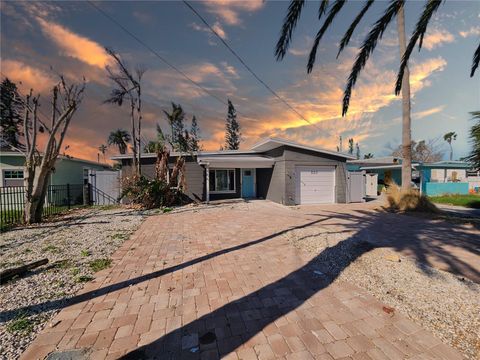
177 153
379 160
450 164
388 167
262 146
240 161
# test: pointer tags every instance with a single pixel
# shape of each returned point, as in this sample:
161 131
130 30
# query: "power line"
156 53
245 64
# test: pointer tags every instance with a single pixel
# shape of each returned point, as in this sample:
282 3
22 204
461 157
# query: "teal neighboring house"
432 179
68 170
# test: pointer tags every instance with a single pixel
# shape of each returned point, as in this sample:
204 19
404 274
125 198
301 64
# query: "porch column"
207 185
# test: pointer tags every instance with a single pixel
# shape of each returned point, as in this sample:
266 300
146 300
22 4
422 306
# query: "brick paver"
223 282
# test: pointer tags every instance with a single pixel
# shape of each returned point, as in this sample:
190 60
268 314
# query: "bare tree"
128 87
424 151
38 166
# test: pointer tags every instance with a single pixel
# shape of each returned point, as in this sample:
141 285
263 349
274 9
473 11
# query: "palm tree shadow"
82 297
225 329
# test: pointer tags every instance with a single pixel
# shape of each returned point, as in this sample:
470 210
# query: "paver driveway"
224 282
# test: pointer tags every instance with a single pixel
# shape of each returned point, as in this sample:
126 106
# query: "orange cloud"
473 31
217 27
318 97
436 38
211 77
27 77
428 112
229 11
74 45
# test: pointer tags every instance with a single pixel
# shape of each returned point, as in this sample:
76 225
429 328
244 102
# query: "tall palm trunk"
406 108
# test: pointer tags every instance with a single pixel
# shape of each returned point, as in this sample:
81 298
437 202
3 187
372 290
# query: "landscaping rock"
439 301
76 244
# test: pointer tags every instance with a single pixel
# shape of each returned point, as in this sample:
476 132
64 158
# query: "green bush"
21 324
99 264
150 193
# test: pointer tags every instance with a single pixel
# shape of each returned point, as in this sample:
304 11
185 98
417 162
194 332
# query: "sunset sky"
41 39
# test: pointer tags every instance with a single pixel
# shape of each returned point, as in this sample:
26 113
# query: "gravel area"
441 302
76 245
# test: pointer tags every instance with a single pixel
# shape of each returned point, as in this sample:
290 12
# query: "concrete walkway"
221 282
460 211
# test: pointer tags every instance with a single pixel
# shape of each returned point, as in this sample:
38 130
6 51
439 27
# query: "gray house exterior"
275 169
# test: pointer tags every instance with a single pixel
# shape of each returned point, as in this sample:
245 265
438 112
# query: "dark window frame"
231 181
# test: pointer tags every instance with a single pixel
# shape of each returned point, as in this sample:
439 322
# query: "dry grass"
408 200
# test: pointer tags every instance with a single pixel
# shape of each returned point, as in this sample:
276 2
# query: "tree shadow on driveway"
62 303
230 326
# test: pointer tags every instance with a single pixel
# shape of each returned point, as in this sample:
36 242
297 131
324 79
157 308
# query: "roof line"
301 146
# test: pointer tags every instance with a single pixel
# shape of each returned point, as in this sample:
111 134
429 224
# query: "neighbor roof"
377 160
272 143
452 164
60 157
379 167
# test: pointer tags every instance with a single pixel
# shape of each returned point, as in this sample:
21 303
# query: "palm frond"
420 28
476 60
334 10
322 8
346 38
367 48
289 24
116 97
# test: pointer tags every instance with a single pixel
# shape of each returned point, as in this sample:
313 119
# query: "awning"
239 161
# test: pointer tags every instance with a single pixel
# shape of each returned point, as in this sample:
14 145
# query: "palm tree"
177 132
474 156
449 137
395 9
103 149
119 138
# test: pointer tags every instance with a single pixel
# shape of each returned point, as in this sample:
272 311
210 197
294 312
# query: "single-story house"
276 169
434 178
68 169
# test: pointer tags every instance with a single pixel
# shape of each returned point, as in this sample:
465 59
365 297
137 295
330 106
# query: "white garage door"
315 184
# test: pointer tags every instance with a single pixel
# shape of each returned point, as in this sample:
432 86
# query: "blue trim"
437 189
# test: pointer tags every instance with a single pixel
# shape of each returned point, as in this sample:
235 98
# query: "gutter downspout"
207 185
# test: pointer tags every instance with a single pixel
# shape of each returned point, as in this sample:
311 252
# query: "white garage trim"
314 184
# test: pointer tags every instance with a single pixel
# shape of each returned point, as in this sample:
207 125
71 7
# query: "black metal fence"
58 199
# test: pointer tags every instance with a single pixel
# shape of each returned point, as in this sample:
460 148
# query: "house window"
13 174
13 177
222 180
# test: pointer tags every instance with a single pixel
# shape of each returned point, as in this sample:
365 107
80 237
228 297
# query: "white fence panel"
106 185
356 186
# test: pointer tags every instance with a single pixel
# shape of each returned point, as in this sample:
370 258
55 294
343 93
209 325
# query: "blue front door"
248 190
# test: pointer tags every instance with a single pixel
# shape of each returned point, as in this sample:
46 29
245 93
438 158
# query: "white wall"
438 175
473 182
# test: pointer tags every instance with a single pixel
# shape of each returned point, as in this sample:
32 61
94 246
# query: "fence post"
86 194
68 196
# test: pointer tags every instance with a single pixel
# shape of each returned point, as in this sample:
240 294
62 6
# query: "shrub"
21 324
150 193
99 264
408 200
83 278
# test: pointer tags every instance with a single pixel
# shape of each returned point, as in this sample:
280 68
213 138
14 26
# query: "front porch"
231 177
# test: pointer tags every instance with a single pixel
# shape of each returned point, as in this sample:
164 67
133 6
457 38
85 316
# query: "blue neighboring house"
436 178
